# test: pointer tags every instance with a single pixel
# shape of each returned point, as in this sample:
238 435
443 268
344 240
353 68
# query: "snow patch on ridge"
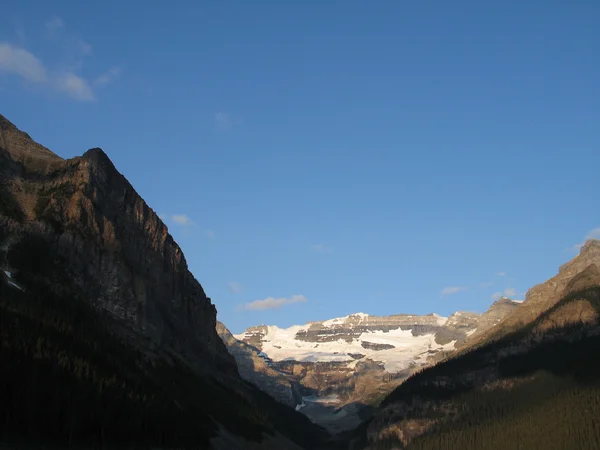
340 320
440 319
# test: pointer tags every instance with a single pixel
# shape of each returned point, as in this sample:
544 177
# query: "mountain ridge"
98 304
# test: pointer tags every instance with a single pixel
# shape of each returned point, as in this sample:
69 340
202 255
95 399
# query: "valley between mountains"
107 340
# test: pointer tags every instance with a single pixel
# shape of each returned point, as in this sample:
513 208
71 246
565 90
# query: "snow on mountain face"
399 341
353 360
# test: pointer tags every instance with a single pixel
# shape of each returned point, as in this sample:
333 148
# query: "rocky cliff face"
581 271
120 254
255 368
98 306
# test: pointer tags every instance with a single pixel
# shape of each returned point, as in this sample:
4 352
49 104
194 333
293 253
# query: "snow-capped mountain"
398 342
354 360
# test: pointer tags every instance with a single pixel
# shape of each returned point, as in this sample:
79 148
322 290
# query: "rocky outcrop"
354 325
499 310
579 273
543 296
120 255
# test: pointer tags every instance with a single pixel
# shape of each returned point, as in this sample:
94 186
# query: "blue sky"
325 158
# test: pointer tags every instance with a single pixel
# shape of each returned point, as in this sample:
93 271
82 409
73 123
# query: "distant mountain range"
351 361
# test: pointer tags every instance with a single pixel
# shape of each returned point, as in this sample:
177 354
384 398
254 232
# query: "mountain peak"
98 156
590 245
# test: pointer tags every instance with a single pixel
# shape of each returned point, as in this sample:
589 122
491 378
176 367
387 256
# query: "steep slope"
254 368
545 295
106 336
343 367
534 383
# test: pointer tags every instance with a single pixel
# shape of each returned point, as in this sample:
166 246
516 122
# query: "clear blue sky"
363 155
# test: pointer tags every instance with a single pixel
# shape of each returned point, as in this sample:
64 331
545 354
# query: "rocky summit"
351 362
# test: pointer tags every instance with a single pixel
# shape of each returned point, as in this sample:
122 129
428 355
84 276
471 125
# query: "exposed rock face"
499 310
120 255
254 367
544 295
579 273
355 325
373 346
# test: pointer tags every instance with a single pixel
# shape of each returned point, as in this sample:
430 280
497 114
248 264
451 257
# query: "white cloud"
235 287
273 303
321 248
182 219
19 61
108 76
449 290
61 75
76 87
593 234
501 274
508 292
54 24
223 121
